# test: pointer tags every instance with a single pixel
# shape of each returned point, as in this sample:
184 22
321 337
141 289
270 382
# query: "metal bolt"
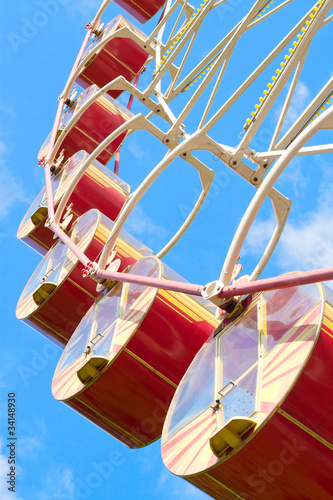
234 162
255 179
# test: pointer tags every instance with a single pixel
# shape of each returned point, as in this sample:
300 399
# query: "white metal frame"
176 48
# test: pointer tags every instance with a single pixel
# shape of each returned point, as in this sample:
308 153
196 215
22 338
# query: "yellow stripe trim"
180 303
110 421
305 428
81 288
50 328
159 374
328 334
225 487
173 308
105 104
141 8
101 236
119 61
101 178
33 237
91 139
328 319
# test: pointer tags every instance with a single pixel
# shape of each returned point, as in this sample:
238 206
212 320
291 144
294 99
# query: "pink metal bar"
289 280
80 54
49 192
48 183
176 286
130 100
116 162
48 180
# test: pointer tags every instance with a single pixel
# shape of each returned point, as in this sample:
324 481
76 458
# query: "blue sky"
60 454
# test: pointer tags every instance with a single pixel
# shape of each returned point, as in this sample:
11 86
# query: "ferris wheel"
218 355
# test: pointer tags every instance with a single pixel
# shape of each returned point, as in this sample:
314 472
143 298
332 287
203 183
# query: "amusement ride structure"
245 364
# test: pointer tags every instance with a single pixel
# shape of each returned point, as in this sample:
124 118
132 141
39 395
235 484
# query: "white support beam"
256 73
311 110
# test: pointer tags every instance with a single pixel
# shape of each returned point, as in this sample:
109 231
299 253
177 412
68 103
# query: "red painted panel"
281 462
168 337
213 489
289 455
58 315
102 118
132 397
61 314
310 401
142 10
100 193
98 188
147 338
40 239
119 57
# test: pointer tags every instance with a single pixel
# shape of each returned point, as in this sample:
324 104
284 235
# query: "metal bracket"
97 338
227 389
49 221
211 292
47 275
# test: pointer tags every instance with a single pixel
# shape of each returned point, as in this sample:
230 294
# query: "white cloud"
258 237
299 102
83 7
31 444
178 487
7 109
141 225
5 494
135 148
308 245
306 242
11 187
191 492
57 484
294 177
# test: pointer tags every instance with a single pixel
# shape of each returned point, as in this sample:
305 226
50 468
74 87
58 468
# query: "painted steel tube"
285 281
164 284
322 122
